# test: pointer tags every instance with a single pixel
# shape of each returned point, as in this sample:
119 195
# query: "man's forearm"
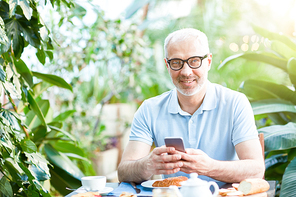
236 171
135 171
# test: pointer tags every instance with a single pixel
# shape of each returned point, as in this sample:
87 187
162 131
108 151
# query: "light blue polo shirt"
224 119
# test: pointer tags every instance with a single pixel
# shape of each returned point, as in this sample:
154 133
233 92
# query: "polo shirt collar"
209 101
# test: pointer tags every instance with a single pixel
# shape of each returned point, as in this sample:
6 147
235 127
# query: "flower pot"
105 162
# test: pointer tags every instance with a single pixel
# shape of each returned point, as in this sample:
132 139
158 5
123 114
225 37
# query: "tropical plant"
274 107
34 148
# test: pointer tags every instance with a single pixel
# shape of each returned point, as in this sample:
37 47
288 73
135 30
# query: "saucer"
102 191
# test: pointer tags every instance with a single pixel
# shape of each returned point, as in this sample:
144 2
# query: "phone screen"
176 142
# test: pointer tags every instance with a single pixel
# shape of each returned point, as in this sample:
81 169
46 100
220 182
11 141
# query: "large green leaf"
259 90
62 131
134 7
275 160
63 116
269 58
282 49
288 188
292 70
272 106
275 36
68 147
35 107
32 119
5 187
24 71
279 137
62 162
53 79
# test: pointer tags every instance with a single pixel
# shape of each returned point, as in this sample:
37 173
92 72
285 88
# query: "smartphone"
176 142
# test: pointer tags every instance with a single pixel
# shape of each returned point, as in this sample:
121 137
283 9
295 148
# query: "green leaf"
24 71
279 137
62 131
40 133
32 119
134 7
275 160
3 37
292 70
12 7
14 33
259 90
62 161
41 56
63 116
5 187
269 58
2 74
38 166
272 106
40 87
34 183
27 10
288 188
28 146
53 79
68 147
282 49
35 107
49 54
275 36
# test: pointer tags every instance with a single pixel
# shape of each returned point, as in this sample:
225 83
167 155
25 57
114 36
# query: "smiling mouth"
187 81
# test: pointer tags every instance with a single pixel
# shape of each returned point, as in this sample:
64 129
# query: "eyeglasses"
193 62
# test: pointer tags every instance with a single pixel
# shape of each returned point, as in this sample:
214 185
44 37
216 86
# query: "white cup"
93 183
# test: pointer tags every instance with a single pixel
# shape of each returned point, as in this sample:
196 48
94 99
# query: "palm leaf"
269 58
288 188
279 137
275 36
259 90
272 106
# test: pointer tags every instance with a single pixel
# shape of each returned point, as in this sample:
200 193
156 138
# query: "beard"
190 91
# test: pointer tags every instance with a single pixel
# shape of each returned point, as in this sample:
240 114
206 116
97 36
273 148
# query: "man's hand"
195 160
164 160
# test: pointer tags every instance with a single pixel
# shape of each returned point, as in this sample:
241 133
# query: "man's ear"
166 63
209 61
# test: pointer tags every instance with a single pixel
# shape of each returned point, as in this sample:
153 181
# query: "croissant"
170 181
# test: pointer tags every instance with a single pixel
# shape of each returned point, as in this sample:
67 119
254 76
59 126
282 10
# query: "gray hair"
184 34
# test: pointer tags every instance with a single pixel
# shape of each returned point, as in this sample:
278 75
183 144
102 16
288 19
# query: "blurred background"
76 71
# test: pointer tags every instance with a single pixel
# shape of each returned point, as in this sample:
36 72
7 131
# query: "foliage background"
100 60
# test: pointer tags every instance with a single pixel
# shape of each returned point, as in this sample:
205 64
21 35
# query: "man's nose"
186 70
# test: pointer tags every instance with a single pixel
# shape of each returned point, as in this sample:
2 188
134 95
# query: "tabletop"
270 192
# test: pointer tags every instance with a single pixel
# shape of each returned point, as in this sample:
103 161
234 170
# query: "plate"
102 191
148 184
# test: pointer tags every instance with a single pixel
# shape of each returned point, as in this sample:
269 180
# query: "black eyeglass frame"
200 57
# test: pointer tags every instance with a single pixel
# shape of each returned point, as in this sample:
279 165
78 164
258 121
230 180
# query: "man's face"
188 81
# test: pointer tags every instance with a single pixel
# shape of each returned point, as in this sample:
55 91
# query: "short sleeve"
244 127
141 125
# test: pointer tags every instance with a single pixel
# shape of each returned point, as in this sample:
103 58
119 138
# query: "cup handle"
215 185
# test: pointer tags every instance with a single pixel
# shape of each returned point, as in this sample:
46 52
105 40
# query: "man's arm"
250 165
139 164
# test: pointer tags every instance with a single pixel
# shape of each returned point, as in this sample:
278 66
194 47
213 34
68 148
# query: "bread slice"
253 186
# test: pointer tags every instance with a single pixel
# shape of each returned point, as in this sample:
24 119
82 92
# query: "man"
216 123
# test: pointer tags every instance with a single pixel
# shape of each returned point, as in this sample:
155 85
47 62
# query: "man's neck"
190 104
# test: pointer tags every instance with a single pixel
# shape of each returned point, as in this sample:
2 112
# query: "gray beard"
195 91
